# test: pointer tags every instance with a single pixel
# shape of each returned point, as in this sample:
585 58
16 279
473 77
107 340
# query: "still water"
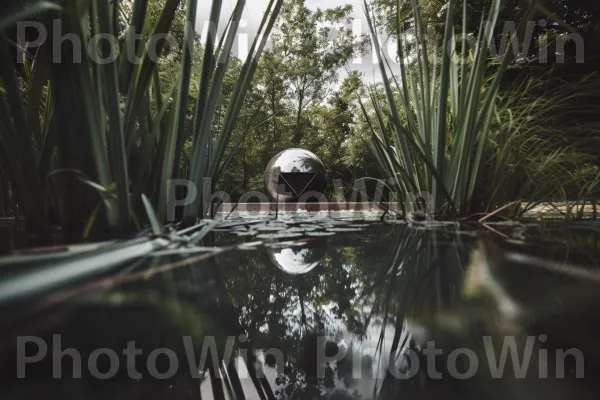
353 311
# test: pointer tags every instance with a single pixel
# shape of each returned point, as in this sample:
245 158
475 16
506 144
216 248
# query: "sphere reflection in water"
298 260
295 172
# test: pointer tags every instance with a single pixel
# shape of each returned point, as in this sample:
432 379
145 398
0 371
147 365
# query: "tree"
311 53
297 98
332 125
550 25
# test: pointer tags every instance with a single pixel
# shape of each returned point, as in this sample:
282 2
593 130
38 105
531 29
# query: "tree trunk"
298 134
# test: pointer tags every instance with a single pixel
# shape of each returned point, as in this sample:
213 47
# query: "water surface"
325 310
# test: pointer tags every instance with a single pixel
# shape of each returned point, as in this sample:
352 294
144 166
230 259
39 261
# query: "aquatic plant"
450 128
81 141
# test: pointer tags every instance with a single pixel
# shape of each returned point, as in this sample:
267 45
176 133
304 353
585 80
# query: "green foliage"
534 153
129 127
299 98
310 59
449 127
121 123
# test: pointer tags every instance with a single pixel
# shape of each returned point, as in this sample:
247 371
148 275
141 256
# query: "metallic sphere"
295 174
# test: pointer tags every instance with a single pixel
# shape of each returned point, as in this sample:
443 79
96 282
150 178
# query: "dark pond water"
373 311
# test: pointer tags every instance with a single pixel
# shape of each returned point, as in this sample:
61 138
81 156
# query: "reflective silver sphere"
295 174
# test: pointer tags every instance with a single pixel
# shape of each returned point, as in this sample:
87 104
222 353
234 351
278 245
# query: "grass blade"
157 226
116 139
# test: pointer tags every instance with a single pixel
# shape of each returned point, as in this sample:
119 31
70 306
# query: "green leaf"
204 164
145 70
157 227
172 157
27 11
116 139
90 222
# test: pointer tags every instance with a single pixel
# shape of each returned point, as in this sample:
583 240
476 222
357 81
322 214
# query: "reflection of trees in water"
367 284
359 283
287 312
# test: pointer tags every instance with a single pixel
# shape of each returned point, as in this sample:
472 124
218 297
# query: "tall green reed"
432 133
84 140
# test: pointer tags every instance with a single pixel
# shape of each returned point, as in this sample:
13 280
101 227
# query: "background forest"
94 149
306 94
